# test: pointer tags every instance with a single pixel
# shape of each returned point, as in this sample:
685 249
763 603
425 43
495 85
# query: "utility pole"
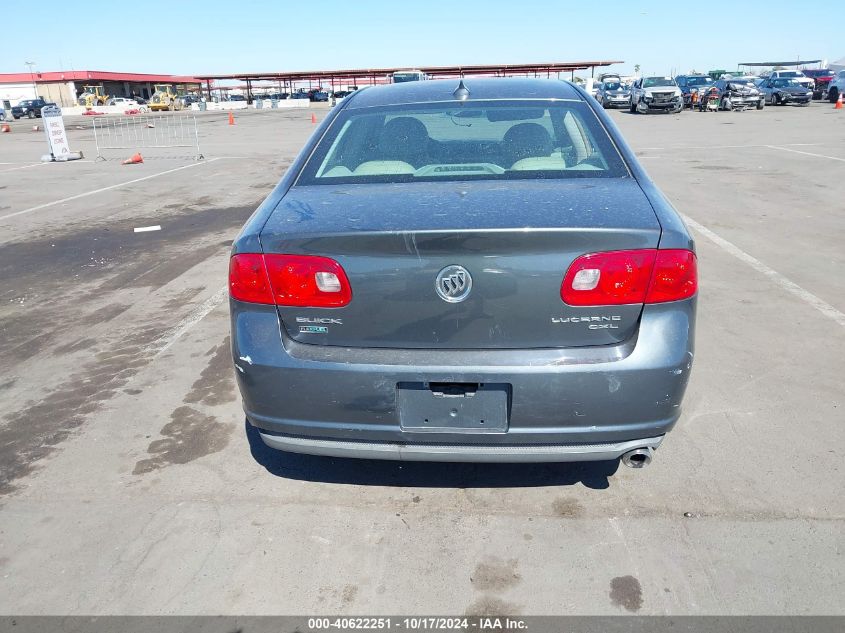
32 77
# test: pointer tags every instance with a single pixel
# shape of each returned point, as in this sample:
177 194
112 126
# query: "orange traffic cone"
838 105
313 118
137 158
231 119
5 128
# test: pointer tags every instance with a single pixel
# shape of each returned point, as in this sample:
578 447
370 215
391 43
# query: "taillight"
675 276
306 281
626 277
248 279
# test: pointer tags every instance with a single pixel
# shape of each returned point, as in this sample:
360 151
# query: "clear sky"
217 36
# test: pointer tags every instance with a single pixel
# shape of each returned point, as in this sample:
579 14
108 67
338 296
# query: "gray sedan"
782 91
613 94
465 271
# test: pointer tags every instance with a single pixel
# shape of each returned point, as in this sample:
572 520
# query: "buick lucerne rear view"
473 272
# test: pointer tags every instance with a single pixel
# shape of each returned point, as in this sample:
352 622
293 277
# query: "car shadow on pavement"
373 472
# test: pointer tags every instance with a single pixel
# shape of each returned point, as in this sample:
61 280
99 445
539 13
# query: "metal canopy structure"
380 75
792 63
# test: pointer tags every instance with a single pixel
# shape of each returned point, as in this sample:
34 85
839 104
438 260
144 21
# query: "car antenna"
461 92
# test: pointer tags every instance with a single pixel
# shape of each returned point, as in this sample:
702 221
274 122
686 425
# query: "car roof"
479 88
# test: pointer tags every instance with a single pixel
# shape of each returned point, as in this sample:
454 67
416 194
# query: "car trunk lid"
516 240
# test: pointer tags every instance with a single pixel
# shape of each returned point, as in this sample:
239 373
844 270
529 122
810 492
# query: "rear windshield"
492 140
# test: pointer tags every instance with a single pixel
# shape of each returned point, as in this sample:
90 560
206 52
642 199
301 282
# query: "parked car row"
701 92
314 95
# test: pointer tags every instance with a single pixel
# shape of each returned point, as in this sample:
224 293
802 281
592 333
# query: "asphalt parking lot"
130 484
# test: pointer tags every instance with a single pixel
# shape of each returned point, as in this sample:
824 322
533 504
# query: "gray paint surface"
220 527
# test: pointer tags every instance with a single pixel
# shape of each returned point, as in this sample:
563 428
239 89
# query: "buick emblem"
453 284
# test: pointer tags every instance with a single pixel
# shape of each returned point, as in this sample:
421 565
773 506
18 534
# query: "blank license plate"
453 407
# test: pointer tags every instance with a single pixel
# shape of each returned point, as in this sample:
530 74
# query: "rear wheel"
30 114
833 95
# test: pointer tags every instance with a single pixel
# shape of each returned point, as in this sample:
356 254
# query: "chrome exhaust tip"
638 458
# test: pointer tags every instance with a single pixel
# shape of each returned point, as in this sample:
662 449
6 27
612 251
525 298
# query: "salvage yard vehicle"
785 91
796 75
318 95
612 93
837 87
692 87
30 108
122 101
470 272
655 93
404 76
821 81
738 94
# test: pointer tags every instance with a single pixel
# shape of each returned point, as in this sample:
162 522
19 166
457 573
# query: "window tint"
449 141
655 82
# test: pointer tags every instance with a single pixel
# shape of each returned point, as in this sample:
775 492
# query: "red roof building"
64 87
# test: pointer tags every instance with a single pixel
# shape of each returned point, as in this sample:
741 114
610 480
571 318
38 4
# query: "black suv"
29 108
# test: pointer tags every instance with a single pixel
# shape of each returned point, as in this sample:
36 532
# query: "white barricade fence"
270 104
147 131
223 105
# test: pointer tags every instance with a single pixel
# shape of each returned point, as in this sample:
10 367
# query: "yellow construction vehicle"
93 96
165 98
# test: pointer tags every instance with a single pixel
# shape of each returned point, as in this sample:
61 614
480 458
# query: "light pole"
32 77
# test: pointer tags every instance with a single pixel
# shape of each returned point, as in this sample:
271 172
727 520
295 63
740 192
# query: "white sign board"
54 127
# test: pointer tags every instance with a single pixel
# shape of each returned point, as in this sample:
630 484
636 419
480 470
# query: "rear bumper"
588 403
457 452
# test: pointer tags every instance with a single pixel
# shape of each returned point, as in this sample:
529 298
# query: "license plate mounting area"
453 407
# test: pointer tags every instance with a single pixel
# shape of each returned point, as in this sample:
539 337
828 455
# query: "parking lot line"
102 189
163 343
805 295
686 147
795 151
16 168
